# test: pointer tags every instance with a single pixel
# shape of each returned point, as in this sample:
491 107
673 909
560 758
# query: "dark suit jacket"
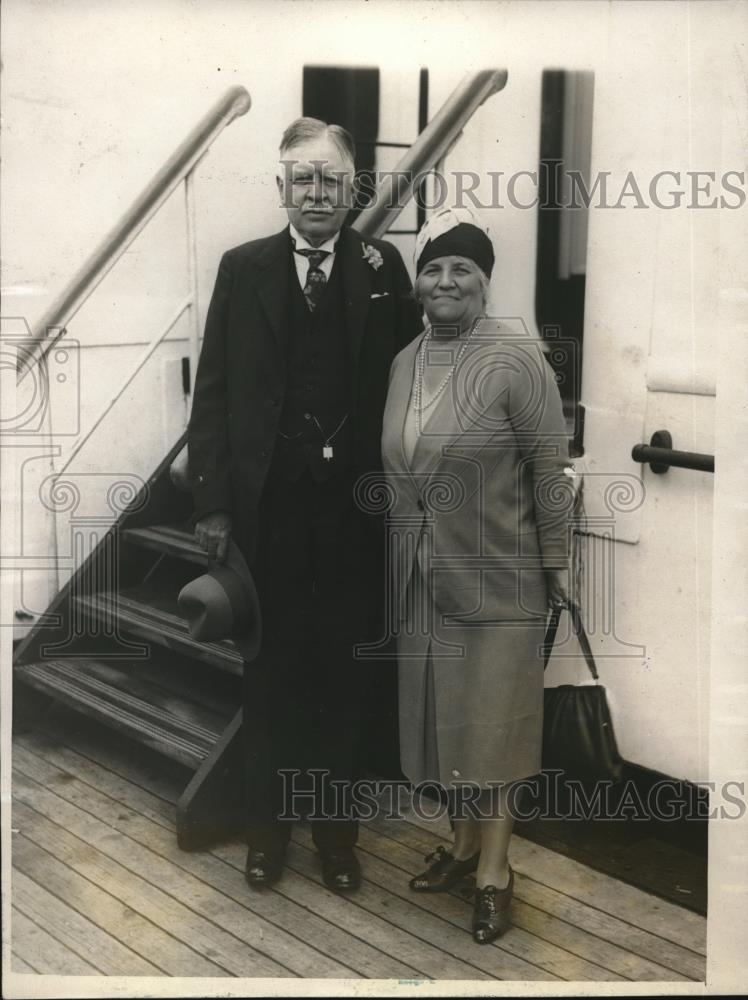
241 377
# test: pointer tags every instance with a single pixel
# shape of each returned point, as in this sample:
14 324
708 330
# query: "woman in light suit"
474 447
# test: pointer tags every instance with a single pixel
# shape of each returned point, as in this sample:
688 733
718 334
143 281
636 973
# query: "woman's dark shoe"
341 871
264 866
491 911
445 872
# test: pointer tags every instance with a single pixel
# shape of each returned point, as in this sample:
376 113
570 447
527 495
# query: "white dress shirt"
302 262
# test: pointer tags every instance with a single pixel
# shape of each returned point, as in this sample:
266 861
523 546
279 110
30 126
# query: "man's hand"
212 533
557 581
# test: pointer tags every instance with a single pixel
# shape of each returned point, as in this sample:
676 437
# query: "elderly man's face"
316 188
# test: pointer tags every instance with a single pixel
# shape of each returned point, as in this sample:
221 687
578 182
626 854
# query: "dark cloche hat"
454 232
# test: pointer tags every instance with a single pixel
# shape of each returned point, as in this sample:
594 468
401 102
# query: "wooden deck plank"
602 892
402 946
571 919
616 960
36 946
302 887
100 947
429 950
208 949
148 804
613 897
428 927
371 912
305 887
17 964
296 887
353 942
517 946
136 766
561 900
105 772
176 955
457 911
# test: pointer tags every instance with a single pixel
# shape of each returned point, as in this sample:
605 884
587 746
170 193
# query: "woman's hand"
557 585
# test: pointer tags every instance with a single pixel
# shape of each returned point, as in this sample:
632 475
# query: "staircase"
112 644
123 656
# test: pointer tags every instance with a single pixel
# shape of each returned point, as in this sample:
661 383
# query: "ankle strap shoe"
445 872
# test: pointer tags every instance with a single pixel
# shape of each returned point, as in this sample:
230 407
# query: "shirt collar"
304 244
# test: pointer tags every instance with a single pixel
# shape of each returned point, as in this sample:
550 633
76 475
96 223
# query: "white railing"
178 169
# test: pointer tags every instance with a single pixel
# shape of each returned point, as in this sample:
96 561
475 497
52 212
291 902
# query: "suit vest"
318 391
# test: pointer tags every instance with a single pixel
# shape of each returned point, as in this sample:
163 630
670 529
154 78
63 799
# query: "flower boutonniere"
372 256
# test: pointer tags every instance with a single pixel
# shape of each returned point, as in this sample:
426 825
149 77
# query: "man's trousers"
320 594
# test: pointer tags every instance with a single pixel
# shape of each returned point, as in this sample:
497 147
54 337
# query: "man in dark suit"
287 415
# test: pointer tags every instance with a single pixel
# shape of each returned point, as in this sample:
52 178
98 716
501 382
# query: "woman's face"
450 290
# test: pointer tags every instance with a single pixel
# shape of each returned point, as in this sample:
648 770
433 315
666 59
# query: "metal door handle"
660 455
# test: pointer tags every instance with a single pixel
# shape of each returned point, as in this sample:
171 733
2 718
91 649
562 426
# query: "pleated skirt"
470 695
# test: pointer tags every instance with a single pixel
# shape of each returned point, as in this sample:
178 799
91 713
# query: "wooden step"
100 691
140 615
173 539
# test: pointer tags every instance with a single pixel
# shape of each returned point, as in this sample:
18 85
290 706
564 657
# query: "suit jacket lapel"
273 284
357 275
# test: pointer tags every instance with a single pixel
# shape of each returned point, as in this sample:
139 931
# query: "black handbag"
578 736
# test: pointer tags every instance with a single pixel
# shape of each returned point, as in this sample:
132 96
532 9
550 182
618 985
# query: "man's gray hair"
303 129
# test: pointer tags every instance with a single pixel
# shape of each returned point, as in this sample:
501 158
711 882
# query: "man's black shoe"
264 866
341 871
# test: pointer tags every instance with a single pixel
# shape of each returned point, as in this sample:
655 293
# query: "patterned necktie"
315 276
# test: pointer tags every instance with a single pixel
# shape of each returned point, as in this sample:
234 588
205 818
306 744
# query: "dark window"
565 142
350 97
347 97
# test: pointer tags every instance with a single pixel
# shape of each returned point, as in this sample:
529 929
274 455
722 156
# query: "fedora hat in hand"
223 604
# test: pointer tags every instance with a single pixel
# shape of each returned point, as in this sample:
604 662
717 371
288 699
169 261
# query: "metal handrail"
48 330
432 145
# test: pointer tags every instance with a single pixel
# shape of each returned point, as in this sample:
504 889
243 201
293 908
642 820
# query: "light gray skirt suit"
479 506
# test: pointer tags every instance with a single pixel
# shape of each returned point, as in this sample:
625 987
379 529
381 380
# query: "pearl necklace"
418 404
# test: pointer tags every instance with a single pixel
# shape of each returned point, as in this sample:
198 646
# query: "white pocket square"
379 295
